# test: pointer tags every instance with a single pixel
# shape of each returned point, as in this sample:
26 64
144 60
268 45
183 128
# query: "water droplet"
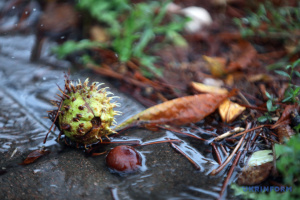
13 7
44 78
42 24
26 12
34 9
62 37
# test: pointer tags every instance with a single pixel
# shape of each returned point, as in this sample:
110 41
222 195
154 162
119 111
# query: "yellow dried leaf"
99 34
229 111
260 77
208 89
216 65
229 80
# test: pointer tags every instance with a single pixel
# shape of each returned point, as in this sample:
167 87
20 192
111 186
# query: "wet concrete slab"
67 173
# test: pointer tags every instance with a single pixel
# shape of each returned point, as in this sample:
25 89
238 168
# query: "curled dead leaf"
285 118
34 155
216 65
208 89
229 110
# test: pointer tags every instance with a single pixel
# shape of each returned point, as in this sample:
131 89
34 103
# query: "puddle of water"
16 47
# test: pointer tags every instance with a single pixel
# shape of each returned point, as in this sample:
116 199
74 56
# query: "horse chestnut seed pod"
124 159
84 113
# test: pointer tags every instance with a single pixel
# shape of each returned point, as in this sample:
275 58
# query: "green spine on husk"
86 113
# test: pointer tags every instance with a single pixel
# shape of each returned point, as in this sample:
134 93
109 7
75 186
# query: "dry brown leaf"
255 174
184 110
208 89
229 111
285 118
34 155
244 55
284 132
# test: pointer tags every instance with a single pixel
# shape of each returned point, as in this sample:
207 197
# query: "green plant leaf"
268 95
296 91
297 73
288 66
282 73
269 105
296 63
71 46
287 99
262 119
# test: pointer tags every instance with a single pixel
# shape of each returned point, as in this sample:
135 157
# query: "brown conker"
124 159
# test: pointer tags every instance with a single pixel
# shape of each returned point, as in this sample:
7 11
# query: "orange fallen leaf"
243 55
208 89
229 110
180 111
34 155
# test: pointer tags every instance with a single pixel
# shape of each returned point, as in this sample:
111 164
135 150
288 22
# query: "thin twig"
254 107
110 73
137 142
98 154
248 143
216 171
159 142
268 139
230 173
251 129
256 135
217 153
53 122
224 150
202 131
228 133
185 155
180 132
244 98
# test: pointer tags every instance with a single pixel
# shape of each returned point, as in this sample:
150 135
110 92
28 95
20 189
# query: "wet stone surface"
67 173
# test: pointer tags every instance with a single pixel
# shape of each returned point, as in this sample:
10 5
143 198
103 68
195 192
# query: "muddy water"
25 91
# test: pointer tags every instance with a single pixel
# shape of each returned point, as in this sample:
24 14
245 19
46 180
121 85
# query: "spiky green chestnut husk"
85 113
